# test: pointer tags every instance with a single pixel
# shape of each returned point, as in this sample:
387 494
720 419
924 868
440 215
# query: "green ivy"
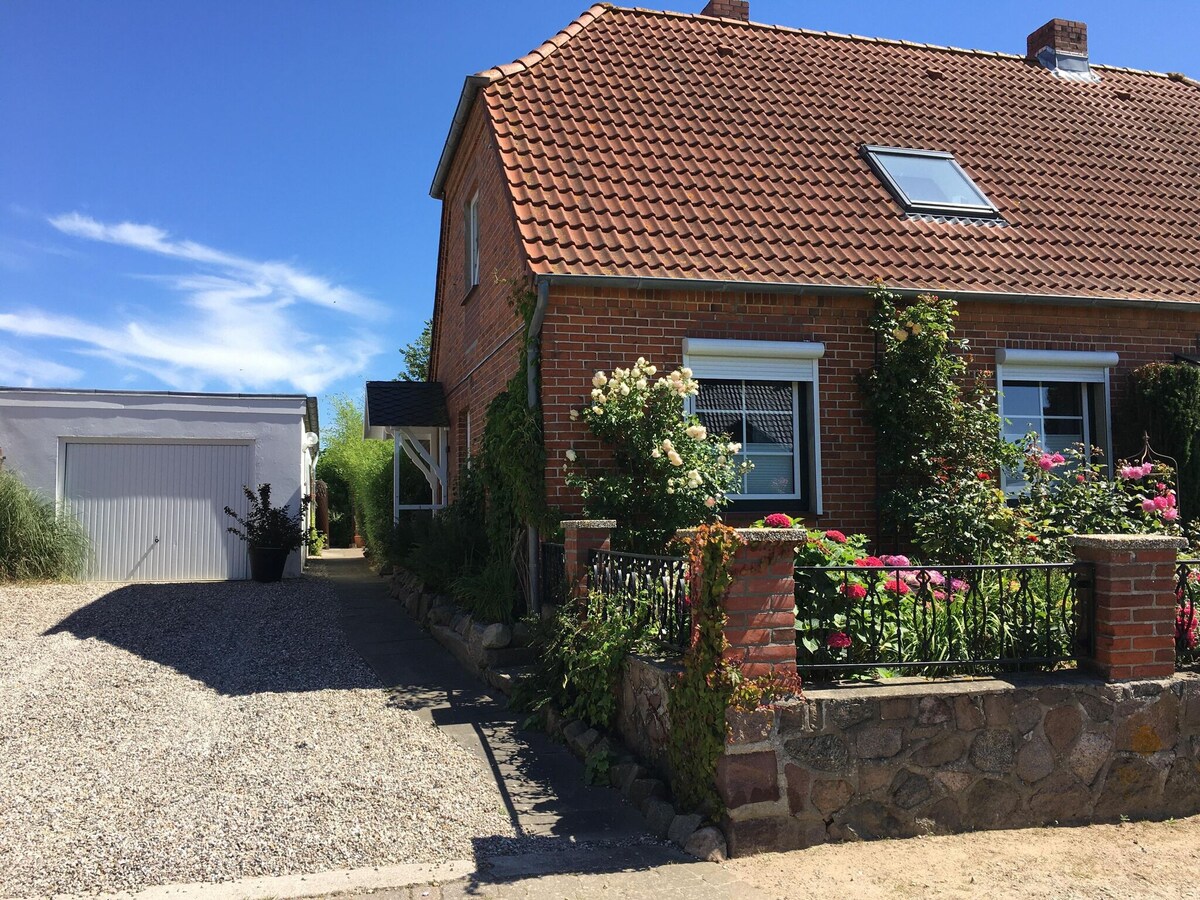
702 694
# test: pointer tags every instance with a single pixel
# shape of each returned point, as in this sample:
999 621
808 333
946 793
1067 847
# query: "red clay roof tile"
655 144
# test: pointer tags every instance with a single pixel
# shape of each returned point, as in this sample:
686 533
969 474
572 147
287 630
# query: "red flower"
836 536
853 591
896 586
1032 538
777 520
983 476
869 562
838 640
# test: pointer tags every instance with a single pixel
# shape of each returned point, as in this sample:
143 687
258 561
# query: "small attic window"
928 182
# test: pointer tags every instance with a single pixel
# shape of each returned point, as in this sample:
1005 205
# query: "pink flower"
1148 505
1080 479
869 562
1045 463
853 591
935 577
1058 459
1160 487
959 586
1161 502
1171 499
1170 514
895 560
836 536
1147 468
838 640
778 520
1130 473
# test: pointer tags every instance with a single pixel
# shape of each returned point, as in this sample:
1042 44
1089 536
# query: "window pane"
931 179
1021 427
769 396
723 423
1062 398
769 431
719 395
771 475
1021 398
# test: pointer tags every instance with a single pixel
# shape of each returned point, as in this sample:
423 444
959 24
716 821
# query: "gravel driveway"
152 734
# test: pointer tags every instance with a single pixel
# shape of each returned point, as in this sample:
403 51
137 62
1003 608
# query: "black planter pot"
266 563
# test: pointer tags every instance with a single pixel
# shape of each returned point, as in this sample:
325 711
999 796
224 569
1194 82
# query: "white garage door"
155 511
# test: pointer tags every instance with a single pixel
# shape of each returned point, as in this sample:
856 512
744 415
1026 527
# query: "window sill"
470 293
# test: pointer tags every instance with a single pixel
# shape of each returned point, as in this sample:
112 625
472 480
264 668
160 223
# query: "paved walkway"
575 828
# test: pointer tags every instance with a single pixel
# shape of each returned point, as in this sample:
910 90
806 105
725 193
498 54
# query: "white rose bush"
661 470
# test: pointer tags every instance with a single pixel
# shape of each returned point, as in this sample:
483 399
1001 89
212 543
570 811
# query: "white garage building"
150 473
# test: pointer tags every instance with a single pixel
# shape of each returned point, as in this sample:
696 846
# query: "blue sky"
227 195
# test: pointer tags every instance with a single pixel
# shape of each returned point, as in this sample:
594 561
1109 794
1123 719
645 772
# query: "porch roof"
395 404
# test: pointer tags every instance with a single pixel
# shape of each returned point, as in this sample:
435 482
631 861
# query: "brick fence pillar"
761 603
582 536
1134 597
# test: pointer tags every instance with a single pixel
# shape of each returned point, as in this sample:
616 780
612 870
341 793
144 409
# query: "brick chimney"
728 9
1060 35
1061 46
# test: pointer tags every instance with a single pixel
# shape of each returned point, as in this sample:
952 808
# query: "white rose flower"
685 372
656 453
599 379
641 383
624 390
570 456
697 432
667 445
641 361
651 370
675 459
596 410
574 415
722 459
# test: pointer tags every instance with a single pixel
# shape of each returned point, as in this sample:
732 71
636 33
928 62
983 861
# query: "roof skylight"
929 182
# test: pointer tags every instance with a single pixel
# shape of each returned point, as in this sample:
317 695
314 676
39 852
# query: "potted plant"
271 533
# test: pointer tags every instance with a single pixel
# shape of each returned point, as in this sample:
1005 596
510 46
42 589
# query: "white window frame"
471 237
1065 366
876 157
791 361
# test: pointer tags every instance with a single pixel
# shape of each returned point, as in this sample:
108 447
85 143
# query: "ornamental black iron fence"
853 621
552 574
1187 615
653 587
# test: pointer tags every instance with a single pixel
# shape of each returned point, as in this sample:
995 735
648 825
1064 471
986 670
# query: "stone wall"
642 719
927 758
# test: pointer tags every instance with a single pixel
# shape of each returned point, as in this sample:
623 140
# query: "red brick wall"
471 327
588 329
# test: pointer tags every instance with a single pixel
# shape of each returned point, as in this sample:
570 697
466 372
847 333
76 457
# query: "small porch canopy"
413 414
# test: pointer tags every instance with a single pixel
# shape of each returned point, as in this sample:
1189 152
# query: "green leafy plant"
1167 406
938 437
270 526
581 656
597 766
663 470
704 691
316 541
38 542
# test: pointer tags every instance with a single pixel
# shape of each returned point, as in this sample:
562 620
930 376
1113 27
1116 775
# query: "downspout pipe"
532 348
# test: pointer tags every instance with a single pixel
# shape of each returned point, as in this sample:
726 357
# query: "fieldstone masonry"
925 758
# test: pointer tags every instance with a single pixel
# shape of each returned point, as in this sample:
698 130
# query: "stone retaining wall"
642 719
926 758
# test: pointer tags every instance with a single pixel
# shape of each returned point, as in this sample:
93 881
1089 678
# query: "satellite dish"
311 439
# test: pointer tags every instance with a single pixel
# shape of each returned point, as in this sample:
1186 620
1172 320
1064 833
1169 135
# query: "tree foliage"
416 355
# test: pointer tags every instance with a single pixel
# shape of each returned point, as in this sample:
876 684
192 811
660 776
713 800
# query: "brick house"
705 190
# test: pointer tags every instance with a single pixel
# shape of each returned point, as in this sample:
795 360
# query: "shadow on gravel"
236 637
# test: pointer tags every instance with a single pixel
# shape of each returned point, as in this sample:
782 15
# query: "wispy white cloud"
283 279
241 323
19 369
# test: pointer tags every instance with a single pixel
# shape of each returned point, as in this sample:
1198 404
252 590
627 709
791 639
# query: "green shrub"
488 593
1167 407
581 655
36 542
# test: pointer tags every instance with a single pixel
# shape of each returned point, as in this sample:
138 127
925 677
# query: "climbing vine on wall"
703 692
